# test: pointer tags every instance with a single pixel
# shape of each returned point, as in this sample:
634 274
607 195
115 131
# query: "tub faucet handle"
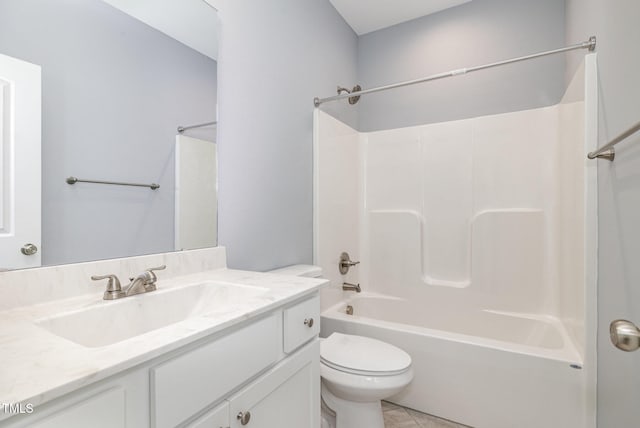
345 263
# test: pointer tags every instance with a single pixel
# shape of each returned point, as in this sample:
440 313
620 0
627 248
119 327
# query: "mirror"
118 77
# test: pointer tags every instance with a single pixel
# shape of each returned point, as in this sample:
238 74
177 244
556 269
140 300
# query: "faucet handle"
152 276
114 289
345 263
112 285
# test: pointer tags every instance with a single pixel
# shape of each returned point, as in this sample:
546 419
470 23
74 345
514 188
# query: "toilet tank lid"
299 270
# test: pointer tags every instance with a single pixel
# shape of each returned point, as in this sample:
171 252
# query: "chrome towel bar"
74 180
181 129
607 151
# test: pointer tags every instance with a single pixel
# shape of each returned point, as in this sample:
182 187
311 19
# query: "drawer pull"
244 417
308 322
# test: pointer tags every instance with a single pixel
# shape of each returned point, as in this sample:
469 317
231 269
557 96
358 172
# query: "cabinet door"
105 410
216 418
288 396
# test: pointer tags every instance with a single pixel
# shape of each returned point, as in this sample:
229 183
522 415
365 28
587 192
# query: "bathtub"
482 368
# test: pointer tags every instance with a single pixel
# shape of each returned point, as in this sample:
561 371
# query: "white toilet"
357 373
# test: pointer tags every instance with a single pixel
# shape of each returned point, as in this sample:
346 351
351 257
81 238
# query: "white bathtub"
486 369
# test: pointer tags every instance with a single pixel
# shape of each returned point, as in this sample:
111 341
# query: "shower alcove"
477 243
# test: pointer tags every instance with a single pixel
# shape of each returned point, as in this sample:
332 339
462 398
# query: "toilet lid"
357 354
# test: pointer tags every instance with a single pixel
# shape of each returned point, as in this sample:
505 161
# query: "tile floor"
400 417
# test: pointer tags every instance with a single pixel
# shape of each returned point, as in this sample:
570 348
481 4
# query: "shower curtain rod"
590 44
181 129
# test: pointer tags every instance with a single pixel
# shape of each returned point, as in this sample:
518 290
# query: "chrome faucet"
351 287
143 283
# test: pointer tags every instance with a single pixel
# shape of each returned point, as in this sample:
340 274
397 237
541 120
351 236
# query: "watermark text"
16 408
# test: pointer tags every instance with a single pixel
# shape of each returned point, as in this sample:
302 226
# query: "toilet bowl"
357 373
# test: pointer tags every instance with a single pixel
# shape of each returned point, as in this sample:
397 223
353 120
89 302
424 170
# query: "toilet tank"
310 271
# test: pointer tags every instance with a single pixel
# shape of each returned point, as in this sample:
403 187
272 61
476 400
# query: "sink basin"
111 322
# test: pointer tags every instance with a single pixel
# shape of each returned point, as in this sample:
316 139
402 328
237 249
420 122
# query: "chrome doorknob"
29 249
308 322
244 417
624 335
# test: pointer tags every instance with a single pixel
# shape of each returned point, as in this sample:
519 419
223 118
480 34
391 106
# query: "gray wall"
615 23
475 33
114 91
275 56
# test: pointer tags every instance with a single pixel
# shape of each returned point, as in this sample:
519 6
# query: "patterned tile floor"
400 417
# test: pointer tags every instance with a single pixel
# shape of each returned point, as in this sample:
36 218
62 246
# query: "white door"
196 214
20 116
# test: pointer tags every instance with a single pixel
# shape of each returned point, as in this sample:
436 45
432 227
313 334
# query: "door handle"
29 249
625 335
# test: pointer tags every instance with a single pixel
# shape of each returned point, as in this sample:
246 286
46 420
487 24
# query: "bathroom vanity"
210 348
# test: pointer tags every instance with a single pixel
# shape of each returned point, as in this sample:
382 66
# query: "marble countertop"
37 366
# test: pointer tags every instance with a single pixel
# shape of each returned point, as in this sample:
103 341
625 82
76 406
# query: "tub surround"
38 366
479 238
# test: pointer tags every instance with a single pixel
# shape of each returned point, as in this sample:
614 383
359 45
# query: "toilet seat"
363 356
362 388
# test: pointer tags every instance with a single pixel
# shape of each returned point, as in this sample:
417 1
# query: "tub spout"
351 287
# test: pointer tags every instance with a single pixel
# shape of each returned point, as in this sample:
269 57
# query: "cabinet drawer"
301 323
186 384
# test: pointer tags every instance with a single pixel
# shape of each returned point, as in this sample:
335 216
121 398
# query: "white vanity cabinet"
244 376
105 410
118 402
288 396
188 383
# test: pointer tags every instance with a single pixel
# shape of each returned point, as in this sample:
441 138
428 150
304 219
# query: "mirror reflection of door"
20 176
196 215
